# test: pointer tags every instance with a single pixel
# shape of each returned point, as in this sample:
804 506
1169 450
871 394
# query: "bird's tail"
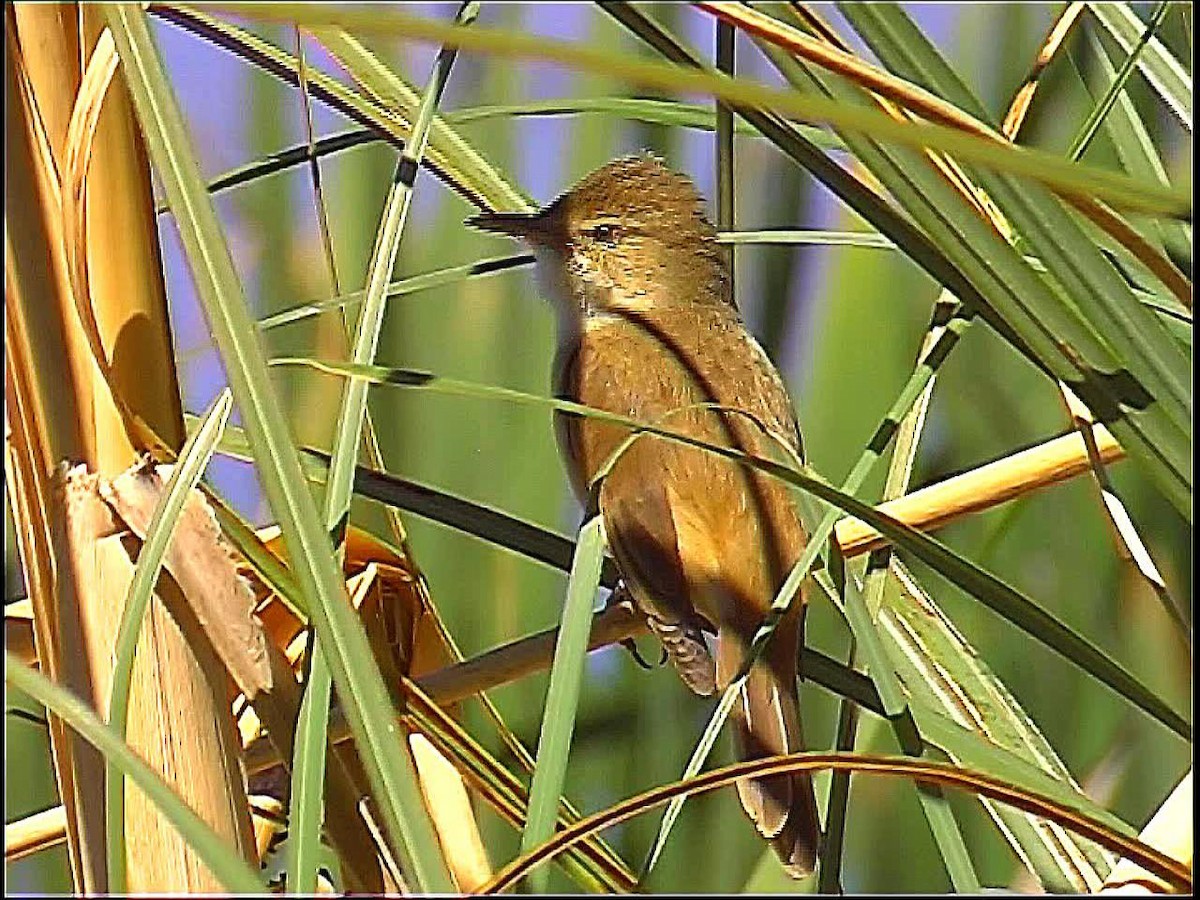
767 723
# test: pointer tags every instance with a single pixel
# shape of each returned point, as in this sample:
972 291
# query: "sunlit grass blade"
638 109
1161 69
634 109
562 696
223 860
193 459
943 672
361 687
1161 305
967 747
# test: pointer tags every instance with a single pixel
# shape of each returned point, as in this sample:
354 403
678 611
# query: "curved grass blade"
562 695
654 112
1036 165
360 684
225 863
1063 809
193 459
479 183
996 594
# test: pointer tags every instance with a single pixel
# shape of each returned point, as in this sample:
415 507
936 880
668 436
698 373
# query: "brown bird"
647 328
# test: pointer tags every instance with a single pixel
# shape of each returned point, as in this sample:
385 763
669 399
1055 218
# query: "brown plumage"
648 329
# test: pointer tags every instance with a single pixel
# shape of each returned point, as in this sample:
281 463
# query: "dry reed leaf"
407 628
205 569
84 517
34 280
450 808
96 546
185 733
81 134
406 641
269 819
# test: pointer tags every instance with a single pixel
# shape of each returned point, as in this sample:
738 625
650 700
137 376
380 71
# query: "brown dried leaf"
204 567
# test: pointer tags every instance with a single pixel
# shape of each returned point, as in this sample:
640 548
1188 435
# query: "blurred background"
843 325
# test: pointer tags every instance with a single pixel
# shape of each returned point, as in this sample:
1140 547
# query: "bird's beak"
530 227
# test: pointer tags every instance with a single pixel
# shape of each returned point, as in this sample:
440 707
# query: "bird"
647 328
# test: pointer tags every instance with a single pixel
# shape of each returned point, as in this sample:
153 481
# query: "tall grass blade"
308 774
360 685
562 695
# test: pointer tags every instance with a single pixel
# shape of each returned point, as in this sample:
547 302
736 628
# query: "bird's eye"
605 234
